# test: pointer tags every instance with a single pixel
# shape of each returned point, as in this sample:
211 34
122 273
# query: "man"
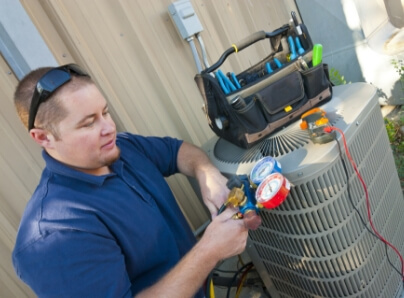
103 221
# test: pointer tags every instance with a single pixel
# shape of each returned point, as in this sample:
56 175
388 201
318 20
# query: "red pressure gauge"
272 191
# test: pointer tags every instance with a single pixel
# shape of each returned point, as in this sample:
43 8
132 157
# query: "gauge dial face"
262 169
269 188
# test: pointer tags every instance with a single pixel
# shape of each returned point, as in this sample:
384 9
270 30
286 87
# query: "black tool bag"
268 96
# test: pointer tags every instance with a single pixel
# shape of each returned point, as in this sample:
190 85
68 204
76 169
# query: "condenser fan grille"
281 143
273 146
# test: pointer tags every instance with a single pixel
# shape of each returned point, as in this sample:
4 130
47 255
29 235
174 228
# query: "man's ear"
43 137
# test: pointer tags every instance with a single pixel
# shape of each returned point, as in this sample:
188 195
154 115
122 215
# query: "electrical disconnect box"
183 15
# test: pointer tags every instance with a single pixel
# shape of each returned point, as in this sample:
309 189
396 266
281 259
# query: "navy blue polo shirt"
104 236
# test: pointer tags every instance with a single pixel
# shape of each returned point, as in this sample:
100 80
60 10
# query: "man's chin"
113 158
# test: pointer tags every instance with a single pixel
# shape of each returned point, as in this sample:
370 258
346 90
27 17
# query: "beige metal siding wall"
134 53
20 167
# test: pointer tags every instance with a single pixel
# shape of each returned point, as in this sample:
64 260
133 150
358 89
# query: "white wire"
195 54
204 56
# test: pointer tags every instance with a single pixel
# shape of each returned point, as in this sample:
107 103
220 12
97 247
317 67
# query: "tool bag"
247 107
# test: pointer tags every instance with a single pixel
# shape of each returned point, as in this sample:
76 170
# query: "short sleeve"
161 151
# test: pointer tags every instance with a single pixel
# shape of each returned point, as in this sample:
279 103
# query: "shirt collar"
57 167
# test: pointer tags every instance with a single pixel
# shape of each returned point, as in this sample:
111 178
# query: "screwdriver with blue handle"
292 49
300 49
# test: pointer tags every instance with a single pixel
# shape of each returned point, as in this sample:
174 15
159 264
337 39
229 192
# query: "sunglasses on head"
48 84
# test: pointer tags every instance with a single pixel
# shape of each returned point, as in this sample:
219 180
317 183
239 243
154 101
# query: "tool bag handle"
249 40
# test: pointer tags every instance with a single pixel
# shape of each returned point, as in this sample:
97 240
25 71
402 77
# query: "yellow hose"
211 290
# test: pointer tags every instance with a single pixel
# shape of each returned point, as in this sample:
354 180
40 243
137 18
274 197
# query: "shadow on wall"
328 25
358 40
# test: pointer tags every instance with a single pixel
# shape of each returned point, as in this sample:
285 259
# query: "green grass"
336 78
397 144
399 67
393 127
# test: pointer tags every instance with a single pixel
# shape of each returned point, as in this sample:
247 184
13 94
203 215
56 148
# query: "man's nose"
108 126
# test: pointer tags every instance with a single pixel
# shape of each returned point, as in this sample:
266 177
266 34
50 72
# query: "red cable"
328 130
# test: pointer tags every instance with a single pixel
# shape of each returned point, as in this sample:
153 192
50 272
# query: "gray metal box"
183 15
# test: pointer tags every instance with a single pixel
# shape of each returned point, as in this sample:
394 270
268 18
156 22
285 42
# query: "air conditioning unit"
315 244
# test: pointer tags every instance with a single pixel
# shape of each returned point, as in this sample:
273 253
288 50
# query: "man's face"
87 135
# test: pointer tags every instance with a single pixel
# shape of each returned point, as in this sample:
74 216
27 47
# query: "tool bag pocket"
251 115
241 126
316 82
281 97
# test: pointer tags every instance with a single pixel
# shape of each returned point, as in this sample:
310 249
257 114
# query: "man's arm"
223 238
192 161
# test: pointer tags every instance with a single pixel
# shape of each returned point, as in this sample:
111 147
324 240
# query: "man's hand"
213 189
192 161
224 237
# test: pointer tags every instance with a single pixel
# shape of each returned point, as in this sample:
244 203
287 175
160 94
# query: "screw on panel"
357 123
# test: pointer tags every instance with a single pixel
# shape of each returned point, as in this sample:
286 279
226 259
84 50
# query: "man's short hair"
50 112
